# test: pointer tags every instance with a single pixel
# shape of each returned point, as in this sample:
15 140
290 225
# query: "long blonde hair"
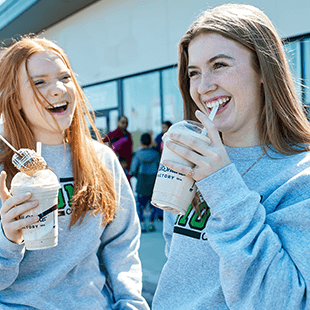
93 183
282 122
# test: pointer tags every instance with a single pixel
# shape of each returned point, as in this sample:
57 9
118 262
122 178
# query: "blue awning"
11 9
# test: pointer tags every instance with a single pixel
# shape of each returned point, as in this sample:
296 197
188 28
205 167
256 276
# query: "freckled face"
221 72
53 80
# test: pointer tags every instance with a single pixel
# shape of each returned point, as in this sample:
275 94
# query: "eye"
192 74
38 82
218 65
66 77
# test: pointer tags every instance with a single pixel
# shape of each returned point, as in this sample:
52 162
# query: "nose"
57 89
207 84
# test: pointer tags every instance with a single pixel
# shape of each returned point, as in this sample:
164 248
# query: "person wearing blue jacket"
244 241
144 167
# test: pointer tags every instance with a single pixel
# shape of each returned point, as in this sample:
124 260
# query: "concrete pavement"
152 255
153 259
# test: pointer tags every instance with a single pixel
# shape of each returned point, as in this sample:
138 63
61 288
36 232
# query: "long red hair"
93 183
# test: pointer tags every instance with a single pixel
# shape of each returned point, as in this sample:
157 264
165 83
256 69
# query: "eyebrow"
37 76
215 58
46 75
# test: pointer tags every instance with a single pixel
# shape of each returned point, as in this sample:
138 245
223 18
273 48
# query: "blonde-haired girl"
247 247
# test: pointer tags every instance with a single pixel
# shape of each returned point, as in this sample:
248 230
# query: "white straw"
211 117
8 144
213 112
39 148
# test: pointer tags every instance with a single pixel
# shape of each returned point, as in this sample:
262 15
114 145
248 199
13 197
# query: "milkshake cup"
175 191
44 187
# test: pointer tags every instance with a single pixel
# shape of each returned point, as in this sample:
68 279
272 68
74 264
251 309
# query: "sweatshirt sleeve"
119 250
11 255
169 221
263 246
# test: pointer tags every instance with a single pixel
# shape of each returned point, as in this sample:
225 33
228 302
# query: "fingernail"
35 203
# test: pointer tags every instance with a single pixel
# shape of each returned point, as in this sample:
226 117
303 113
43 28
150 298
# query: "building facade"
124 53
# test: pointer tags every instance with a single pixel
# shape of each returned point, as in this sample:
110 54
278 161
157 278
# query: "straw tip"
213 112
39 147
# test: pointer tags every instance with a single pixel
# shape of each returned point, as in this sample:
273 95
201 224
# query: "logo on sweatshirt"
192 224
65 196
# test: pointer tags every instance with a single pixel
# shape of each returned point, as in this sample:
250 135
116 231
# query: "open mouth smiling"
222 102
59 107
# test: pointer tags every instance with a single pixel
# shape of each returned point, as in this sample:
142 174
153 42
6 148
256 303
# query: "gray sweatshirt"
250 250
93 266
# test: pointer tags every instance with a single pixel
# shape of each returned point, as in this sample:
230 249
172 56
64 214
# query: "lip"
214 99
59 104
61 113
221 110
221 100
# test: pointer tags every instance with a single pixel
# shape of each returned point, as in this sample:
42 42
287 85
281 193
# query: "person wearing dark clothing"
159 147
159 142
120 141
144 167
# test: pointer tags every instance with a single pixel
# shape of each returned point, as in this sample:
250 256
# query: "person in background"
95 264
120 141
158 140
153 143
124 165
159 148
244 241
144 167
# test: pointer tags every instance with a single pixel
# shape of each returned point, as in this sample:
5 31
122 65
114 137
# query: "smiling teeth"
58 105
217 102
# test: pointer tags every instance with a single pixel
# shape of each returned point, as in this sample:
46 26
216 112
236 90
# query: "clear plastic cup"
44 187
175 191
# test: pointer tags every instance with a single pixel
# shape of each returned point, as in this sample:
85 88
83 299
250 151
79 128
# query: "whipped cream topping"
42 178
29 162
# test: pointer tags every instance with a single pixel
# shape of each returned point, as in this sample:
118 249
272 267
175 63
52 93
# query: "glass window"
173 102
102 96
293 54
142 104
307 70
105 121
102 124
113 119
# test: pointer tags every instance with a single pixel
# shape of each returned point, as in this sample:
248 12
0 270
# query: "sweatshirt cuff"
9 246
223 188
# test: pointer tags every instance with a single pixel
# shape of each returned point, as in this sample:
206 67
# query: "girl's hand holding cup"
12 208
191 153
206 157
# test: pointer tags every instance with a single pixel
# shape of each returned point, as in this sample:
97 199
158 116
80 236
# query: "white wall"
114 38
